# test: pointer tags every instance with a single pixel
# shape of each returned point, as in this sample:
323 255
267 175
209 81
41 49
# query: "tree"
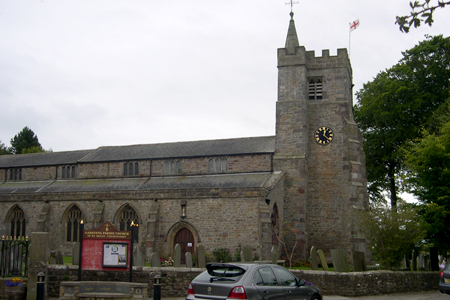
393 108
392 234
3 149
421 12
25 139
429 159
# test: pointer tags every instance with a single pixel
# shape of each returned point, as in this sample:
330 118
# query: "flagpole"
349 38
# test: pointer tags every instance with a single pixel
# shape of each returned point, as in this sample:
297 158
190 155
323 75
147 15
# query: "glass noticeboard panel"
115 255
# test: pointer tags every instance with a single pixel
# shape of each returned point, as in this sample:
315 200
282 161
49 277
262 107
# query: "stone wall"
175 281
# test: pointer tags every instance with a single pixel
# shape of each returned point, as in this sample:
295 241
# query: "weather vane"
291 3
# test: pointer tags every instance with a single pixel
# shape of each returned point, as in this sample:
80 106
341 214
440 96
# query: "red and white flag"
354 25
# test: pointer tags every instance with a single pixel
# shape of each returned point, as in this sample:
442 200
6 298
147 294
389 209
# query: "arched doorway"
185 238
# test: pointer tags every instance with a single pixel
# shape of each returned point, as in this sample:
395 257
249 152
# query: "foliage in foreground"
429 160
392 234
393 109
421 11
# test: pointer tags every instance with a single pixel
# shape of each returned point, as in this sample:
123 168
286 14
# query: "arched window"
63 172
125 169
274 219
74 218
217 165
18 223
73 171
127 216
172 167
136 168
130 169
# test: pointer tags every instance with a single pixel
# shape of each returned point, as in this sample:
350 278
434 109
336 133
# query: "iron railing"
14 256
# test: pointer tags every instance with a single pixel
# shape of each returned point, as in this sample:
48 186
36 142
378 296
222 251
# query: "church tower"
319 147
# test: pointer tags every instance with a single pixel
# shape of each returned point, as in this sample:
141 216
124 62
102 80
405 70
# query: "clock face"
323 135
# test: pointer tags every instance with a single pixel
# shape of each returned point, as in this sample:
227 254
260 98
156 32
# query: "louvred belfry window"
315 89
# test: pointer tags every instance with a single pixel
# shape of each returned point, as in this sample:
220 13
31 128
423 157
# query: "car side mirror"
302 282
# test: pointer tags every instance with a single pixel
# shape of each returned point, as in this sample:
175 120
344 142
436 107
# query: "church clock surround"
323 135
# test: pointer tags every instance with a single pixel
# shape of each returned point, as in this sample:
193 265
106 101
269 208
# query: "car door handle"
266 292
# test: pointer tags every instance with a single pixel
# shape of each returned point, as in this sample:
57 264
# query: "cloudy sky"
83 74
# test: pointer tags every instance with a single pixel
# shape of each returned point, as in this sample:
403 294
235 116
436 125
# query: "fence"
14 256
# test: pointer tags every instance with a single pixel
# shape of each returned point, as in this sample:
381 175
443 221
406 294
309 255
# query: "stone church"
309 177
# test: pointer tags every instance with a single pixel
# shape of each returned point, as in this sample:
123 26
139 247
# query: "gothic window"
217 165
73 224
136 168
172 167
315 87
127 217
68 172
130 169
15 174
18 223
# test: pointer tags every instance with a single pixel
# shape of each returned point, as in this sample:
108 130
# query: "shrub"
222 255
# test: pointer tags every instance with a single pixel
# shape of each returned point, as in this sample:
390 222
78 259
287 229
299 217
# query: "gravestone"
201 256
313 258
274 255
340 262
155 260
59 258
323 261
421 262
247 254
76 254
38 261
138 257
177 256
414 260
52 259
359 261
188 260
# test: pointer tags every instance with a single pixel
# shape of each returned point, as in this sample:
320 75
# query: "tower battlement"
309 58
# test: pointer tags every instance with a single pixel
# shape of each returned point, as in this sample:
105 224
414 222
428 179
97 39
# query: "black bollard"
157 288
40 290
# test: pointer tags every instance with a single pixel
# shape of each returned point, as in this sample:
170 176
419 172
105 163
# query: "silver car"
444 282
223 281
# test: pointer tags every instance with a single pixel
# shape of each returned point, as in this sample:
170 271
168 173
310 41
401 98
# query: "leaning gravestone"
340 261
247 254
177 256
359 261
76 254
155 260
274 255
201 256
323 261
313 258
188 260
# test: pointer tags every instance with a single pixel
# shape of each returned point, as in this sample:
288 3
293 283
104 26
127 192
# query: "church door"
185 238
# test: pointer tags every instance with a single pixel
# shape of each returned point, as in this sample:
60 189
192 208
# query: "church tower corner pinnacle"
292 38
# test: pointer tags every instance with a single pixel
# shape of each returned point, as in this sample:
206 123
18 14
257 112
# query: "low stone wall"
175 281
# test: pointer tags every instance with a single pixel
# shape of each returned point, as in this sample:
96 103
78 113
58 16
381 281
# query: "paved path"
430 295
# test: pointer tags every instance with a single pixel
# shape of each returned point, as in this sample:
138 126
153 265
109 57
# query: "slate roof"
184 149
42 159
252 145
247 180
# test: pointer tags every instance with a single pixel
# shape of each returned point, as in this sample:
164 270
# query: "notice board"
106 248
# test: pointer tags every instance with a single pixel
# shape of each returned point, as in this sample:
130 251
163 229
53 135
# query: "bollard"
157 288
40 290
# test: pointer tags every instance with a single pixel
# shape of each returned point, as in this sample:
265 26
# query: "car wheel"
315 297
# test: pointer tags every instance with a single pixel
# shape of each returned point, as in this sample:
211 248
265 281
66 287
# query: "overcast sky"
83 74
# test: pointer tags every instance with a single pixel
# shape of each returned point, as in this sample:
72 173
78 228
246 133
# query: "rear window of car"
225 271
